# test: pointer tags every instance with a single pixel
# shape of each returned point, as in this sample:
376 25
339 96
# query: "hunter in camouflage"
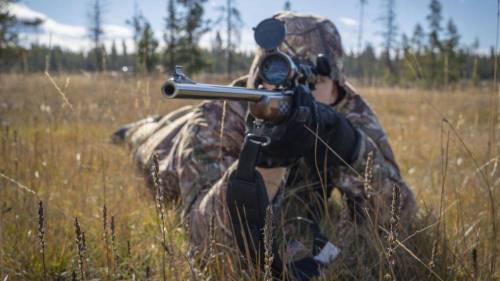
198 146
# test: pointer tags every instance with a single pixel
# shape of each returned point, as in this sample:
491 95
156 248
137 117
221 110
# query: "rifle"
275 68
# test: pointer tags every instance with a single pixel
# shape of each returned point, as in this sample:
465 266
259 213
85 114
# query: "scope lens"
275 69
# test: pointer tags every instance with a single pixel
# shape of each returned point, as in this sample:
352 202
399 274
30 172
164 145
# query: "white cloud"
54 27
72 37
247 43
75 37
112 30
349 22
23 12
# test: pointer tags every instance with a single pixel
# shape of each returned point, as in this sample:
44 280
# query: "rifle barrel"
172 89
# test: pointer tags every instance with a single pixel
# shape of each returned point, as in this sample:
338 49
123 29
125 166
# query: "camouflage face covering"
306 37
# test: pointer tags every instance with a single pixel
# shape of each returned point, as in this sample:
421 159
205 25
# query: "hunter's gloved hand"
290 140
310 123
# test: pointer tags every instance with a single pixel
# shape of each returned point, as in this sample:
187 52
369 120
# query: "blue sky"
66 19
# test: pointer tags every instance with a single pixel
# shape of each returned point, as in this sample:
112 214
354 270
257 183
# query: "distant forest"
431 56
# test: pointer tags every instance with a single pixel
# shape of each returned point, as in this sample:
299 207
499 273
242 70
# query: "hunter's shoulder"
353 104
357 110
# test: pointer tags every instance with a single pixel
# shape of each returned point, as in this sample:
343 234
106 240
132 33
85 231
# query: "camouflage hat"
306 37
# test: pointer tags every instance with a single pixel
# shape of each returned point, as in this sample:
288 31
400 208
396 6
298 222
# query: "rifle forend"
271 106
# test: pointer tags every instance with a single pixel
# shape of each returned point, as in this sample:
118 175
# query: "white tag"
327 254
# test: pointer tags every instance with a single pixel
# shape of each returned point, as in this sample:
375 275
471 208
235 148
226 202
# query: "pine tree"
452 36
11 54
136 22
368 64
171 35
405 42
287 6
362 4
96 32
8 36
217 54
232 18
124 60
194 26
389 34
475 63
104 57
417 39
450 45
146 48
434 20
55 60
408 66
184 26
113 57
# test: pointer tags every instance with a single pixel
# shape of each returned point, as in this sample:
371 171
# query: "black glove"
293 139
289 137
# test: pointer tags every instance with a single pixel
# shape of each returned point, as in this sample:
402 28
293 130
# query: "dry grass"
63 154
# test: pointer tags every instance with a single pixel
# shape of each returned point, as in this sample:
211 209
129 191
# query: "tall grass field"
73 206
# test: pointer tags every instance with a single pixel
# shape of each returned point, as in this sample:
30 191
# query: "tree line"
184 25
431 56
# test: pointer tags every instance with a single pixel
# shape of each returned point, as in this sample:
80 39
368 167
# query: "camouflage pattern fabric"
200 154
192 151
374 176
